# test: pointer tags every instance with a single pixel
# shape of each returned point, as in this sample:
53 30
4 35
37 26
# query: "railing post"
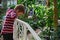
15 31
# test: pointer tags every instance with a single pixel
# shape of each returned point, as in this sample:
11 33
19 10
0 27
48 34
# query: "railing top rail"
29 28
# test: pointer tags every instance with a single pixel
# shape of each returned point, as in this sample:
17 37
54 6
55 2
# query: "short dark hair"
20 8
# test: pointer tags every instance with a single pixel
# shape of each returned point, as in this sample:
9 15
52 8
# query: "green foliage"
12 6
1 14
1 10
58 6
57 33
42 17
28 2
20 1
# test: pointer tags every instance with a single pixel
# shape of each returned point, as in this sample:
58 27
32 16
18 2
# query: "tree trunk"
55 18
55 15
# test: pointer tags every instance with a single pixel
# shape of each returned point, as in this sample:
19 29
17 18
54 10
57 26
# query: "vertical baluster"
25 32
22 31
19 31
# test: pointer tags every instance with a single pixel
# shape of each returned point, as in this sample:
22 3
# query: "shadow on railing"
20 31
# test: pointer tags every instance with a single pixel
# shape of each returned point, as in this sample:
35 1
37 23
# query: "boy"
11 14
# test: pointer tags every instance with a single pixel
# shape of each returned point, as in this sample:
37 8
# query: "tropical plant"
43 17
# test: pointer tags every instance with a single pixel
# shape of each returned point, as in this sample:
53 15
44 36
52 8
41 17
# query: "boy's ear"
17 11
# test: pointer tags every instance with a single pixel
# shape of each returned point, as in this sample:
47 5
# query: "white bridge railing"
20 31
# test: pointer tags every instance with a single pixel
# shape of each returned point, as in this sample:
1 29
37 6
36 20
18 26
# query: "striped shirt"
8 22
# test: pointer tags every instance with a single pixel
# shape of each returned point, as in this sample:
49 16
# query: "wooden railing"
20 31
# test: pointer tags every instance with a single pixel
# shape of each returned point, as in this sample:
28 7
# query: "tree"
55 15
55 18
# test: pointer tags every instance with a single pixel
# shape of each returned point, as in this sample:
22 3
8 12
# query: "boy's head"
19 9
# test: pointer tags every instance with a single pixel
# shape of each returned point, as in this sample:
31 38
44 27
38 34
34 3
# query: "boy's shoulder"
9 11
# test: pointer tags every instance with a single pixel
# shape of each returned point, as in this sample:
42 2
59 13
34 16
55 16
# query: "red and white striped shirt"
8 22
